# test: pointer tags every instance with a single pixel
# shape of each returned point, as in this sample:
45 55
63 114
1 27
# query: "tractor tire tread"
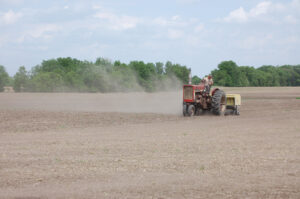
191 110
216 102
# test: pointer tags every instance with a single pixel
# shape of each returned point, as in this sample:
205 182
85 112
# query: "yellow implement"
234 102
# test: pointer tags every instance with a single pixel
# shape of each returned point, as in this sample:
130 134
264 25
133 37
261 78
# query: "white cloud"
291 19
263 11
260 9
175 34
10 17
187 1
238 15
256 42
174 21
199 28
12 2
3 40
96 7
176 17
290 40
44 32
296 3
117 22
42 48
161 21
196 42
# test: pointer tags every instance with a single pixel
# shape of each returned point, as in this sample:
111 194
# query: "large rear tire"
191 110
219 102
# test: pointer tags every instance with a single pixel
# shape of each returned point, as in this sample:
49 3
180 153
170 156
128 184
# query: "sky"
196 33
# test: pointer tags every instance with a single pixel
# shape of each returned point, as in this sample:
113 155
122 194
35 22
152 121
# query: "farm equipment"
196 101
233 103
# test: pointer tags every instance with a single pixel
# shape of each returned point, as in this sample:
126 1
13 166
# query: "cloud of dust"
167 98
119 93
134 102
103 81
129 96
131 83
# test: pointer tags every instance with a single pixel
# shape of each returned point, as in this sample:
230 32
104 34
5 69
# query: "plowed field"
137 145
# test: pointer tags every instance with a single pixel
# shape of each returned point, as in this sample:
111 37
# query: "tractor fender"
213 91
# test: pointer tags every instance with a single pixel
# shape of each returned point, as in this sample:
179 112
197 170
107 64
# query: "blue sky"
196 33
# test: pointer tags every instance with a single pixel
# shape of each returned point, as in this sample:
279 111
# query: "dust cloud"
135 102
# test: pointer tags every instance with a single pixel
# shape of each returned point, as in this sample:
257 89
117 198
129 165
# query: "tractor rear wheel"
219 102
191 110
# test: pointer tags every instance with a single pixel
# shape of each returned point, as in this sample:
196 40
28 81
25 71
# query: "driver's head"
209 76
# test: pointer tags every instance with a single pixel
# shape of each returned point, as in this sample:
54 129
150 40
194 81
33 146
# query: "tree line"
230 74
73 75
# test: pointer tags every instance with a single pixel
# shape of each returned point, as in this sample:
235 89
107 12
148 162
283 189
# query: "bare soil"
138 145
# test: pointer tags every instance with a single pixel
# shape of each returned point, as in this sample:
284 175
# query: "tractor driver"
208 82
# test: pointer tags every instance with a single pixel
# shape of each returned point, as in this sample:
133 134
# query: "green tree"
21 80
74 81
123 79
196 79
221 78
103 61
68 74
95 79
47 82
181 72
251 76
146 74
159 68
4 78
229 74
272 74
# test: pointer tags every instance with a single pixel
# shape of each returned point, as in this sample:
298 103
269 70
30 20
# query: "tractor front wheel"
191 110
184 111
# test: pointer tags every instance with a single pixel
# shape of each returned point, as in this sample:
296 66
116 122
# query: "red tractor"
196 100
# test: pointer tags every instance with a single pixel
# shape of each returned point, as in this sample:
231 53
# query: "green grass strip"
297 97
